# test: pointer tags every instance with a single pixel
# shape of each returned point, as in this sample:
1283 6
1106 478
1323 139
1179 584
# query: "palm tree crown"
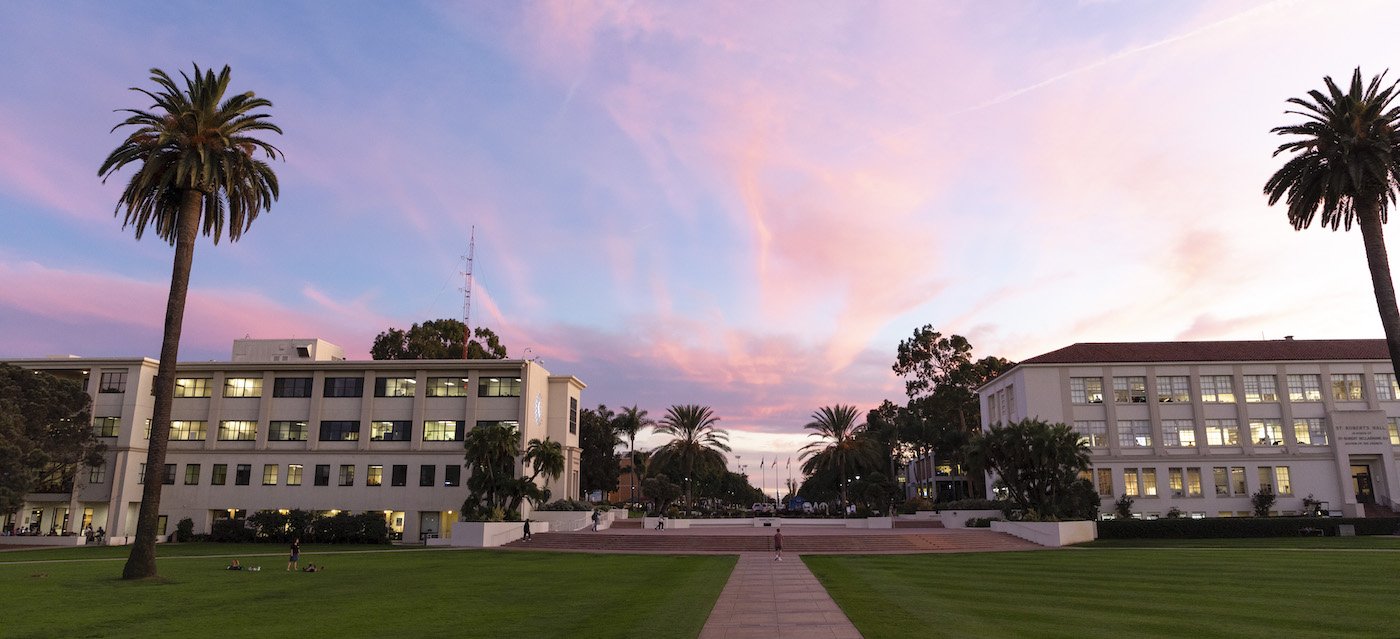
695 441
1347 165
630 422
841 443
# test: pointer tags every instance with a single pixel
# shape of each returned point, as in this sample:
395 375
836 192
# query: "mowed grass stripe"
1117 593
419 594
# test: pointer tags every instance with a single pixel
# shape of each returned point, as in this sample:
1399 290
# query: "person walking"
295 556
595 520
527 530
778 545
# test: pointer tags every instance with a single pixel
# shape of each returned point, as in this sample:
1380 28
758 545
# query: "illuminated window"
395 386
234 431
1149 482
191 474
1266 432
1134 433
113 382
1304 388
1266 479
443 430
1310 431
270 474
193 387
1347 387
1193 482
1173 388
447 387
374 476
1222 481
1086 390
1285 482
1222 432
1260 388
1179 433
293 474
396 431
340 431
193 431
285 431
1237 480
243 387
1092 432
106 426
1130 482
1394 424
1386 388
1218 389
1105 482
498 387
1130 390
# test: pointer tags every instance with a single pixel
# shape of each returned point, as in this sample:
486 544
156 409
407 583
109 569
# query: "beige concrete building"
290 424
1202 426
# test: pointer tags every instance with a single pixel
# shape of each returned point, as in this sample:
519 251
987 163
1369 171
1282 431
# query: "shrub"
981 522
1239 527
1174 513
567 505
975 504
231 531
1263 502
1123 507
184 531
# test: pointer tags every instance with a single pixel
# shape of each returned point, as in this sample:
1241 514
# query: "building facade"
1201 427
290 424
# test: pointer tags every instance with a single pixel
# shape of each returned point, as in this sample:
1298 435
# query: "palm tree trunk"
1379 263
141 564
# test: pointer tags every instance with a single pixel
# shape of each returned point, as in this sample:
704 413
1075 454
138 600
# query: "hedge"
1233 527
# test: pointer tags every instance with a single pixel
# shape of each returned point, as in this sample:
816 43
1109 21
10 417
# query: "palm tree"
544 457
630 422
491 451
196 168
1347 165
695 441
841 443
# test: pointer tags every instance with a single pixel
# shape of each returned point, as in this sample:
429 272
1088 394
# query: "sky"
735 204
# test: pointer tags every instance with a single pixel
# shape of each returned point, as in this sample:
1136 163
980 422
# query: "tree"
544 458
491 450
628 423
45 426
597 440
437 339
1347 165
695 441
1038 464
661 491
197 167
839 446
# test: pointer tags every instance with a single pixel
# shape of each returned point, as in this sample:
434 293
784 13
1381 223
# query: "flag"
760 463
789 464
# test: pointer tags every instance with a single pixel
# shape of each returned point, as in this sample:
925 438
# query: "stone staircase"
958 541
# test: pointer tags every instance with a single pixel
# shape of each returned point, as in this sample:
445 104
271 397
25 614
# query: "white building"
289 424
1202 426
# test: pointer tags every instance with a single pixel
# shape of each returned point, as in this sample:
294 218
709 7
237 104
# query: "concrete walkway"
766 598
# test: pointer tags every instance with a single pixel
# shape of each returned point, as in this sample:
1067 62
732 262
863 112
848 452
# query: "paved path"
770 599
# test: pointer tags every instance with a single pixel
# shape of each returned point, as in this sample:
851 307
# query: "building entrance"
1361 483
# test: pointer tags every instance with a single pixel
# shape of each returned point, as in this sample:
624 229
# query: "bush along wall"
1236 527
273 527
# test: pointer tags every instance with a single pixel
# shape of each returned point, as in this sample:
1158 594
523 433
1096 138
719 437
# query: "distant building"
1202 426
289 424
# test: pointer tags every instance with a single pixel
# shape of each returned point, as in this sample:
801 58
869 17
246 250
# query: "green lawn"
424 593
1343 543
1118 593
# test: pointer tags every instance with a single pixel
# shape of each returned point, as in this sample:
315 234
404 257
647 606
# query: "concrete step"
811 544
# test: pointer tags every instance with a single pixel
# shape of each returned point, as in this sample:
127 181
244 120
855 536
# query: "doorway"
1361 483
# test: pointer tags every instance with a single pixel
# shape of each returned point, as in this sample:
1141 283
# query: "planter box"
488 534
565 520
1052 534
958 518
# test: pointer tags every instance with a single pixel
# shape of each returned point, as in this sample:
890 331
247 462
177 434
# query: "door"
428 525
1361 482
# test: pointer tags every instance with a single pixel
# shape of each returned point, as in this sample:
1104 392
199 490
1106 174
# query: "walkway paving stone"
775 599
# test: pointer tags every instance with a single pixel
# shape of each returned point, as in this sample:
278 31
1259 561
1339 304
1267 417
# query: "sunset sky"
743 205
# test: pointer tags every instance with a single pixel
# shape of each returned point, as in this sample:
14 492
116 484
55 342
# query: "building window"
270 474
1304 388
427 475
395 386
191 474
97 474
291 387
448 387
1222 432
1386 388
1237 480
573 415
1130 482
452 475
1174 388
498 387
238 431
1218 389
193 431
1092 432
243 387
1149 482
344 387
1179 433
443 430
323 474
1266 432
243 473
1266 479
1260 388
1130 390
1347 388
347 475
1310 431
285 431
1394 424
168 477
397 431
106 426
374 476
113 382
340 431
1285 482
1133 433
293 474
399 476
1193 482
1105 482
193 387
148 428
1222 482
220 475
1086 390
141 474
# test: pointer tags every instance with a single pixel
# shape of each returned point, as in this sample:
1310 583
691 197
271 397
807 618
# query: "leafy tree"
696 443
597 440
491 452
840 444
1038 464
1347 165
437 339
1263 502
629 423
45 423
196 168
660 490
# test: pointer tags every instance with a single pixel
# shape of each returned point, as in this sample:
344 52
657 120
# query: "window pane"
498 387
243 387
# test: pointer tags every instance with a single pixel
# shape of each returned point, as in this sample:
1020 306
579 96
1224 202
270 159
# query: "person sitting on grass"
311 567
234 566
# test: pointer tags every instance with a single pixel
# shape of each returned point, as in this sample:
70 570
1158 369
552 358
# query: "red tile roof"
1252 351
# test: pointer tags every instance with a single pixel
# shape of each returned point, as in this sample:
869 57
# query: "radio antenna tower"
467 298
